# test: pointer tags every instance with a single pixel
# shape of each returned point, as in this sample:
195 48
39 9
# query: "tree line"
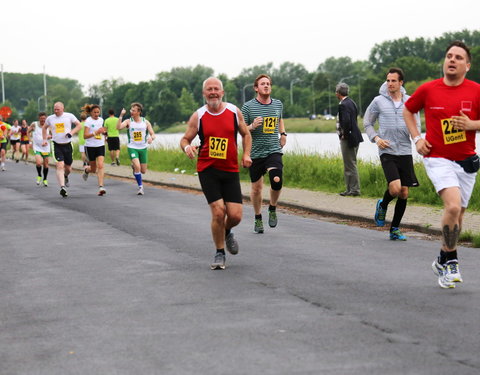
172 96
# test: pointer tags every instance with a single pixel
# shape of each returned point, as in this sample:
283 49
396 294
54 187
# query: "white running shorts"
446 173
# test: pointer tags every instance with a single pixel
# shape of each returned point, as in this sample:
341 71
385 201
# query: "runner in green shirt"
113 137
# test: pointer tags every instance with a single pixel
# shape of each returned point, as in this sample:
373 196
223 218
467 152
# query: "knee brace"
275 174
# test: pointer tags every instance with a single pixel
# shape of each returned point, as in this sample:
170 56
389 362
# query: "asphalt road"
121 284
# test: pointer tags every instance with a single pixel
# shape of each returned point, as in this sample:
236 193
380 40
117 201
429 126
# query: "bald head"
58 108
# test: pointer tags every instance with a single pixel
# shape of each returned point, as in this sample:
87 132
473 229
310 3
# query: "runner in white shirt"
15 139
42 153
60 124
94 144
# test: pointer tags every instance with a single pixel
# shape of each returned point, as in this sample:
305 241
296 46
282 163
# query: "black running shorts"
218 184
94 152
113 143
399 167
260 166
63 152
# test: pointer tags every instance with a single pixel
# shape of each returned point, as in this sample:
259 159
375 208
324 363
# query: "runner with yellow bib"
140 134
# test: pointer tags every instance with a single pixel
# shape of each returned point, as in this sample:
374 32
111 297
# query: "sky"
91 41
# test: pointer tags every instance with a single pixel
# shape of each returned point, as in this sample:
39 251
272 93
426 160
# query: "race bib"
269 124
98 136
218 148
137 136
451 135
60 127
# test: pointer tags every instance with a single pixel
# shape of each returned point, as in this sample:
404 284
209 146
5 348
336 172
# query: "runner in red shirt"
217 124
452 115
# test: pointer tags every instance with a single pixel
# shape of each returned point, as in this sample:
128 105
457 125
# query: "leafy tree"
416 68
31 111
187 104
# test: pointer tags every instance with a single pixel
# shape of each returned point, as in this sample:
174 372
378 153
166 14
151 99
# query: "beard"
214 102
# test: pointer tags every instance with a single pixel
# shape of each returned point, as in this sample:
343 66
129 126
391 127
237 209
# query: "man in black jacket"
350 138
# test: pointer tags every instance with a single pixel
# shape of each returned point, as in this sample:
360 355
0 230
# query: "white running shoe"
140 191
441 271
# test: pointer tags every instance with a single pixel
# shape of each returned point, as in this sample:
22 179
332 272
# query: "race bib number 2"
218 148
450 134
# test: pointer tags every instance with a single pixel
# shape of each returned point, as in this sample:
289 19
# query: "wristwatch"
417 138
283 133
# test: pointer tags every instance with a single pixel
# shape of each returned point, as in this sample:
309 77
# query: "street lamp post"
243 91
38 102
329 99
292 82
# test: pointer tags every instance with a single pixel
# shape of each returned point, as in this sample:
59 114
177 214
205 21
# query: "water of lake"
308 143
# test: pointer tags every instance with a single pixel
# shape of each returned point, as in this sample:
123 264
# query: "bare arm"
246 140
151 132
190 134
77 128
281 129
463 122
124 124
44 134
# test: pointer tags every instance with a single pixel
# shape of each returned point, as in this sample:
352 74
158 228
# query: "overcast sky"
95 40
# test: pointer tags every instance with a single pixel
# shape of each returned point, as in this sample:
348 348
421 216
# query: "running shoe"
101 191
16 160
396 234
440 271
85 175
3 168
39 179
379 214
67 181
272 219
232 244
218 261
112 164
452 272
45 183
63 192
118 161
140 191
258 227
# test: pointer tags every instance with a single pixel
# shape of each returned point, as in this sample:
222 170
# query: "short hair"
205 82
40 114
111 111
398 71
342 89
459 43
259 77
138 105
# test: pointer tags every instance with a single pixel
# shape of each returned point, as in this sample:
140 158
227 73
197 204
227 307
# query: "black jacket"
347 117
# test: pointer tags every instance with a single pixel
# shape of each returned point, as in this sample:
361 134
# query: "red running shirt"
440 102
218 139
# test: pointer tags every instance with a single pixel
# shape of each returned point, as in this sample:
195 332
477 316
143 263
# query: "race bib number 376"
218 148
450 134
